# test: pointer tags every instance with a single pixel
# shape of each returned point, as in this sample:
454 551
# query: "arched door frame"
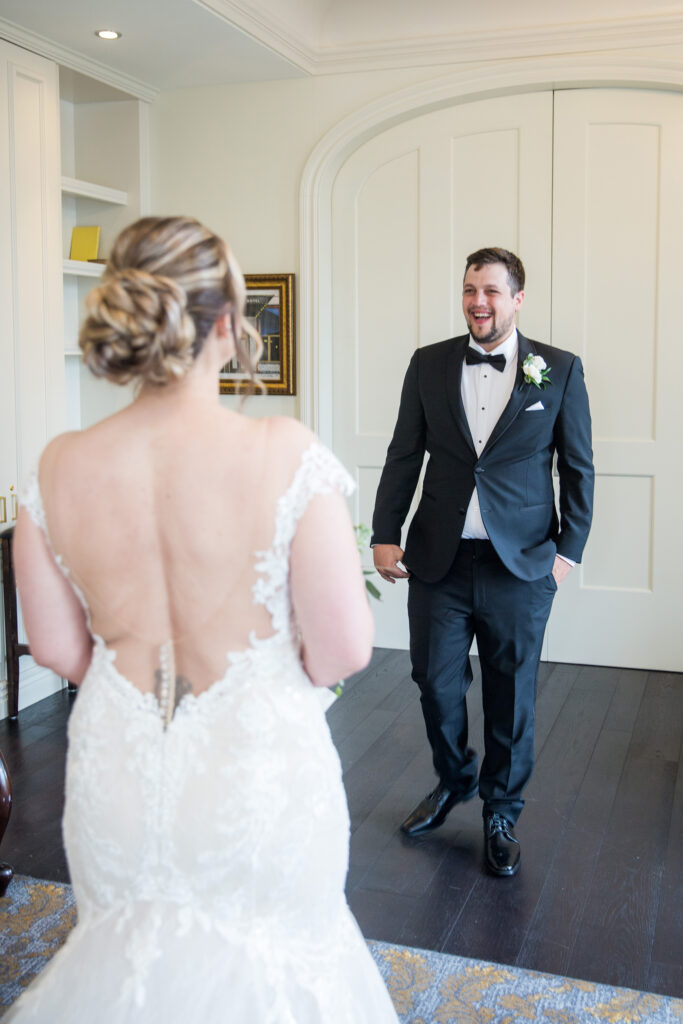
315 196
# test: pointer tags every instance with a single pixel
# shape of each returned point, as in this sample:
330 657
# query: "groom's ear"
518 299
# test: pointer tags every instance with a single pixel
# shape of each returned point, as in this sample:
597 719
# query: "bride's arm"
328 592
54 619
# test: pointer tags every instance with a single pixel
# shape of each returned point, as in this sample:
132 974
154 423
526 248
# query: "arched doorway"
617 608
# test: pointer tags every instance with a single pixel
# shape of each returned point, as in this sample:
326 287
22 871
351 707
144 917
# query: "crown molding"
429 51
464 47
264 29
504 44
76 61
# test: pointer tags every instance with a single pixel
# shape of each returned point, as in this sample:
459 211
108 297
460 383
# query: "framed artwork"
270 308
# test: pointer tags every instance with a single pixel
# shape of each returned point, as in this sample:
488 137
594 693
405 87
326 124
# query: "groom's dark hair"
512 263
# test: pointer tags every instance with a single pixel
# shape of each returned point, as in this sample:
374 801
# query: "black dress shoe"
502 849
434 809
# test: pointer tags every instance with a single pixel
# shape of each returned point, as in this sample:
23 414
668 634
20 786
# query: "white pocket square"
534 407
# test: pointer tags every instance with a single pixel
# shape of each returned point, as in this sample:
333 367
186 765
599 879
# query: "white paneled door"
408 207
618 222
583 186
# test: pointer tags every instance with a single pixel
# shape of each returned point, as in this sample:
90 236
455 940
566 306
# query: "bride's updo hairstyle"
167 281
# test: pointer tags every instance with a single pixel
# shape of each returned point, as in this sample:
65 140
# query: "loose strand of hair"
247 359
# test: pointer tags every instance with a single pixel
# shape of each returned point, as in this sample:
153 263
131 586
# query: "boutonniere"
536 371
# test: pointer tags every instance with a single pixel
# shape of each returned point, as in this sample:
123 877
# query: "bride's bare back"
158 513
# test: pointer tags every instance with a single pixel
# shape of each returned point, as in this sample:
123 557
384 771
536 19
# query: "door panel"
618 220
586 189
31 346
408 207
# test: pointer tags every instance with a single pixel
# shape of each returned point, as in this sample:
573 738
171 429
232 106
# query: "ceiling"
174 44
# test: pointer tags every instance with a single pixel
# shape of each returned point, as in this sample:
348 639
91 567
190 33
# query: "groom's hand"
386 558
561 569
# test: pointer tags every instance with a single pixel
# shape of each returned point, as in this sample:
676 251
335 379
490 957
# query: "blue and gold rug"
426 988
35 919
433 988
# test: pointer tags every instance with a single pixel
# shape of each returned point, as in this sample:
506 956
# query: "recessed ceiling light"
108 33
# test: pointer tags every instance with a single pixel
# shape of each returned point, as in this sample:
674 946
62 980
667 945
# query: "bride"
195 572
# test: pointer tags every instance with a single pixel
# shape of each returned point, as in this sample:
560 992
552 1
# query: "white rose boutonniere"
536 371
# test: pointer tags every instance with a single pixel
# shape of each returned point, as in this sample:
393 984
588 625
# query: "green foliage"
362 533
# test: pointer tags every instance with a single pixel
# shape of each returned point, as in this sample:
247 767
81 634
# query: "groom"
485 551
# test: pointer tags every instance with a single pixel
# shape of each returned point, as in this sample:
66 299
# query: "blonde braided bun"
167 281
137 326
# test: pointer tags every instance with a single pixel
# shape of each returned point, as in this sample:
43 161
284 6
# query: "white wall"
233 157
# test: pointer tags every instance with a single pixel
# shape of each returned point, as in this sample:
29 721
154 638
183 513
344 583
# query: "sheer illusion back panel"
160 538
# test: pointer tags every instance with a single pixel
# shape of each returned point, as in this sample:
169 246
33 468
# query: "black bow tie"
473 358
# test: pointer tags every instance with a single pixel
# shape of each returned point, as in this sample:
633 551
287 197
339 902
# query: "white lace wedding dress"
208 850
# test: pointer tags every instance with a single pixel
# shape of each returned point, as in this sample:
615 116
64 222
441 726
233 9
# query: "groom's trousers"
480 598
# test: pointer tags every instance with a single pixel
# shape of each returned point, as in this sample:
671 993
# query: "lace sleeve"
30 499
319 472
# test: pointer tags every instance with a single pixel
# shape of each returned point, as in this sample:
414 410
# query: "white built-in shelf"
88 190
80 268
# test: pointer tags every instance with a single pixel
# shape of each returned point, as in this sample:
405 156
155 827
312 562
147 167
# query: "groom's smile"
489 304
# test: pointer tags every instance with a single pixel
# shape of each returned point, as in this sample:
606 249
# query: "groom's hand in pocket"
386 558
561 570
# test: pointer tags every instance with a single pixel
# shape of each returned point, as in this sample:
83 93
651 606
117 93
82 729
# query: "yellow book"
85 243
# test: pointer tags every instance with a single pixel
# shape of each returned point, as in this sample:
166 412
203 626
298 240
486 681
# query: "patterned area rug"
433 988
35 919
427 988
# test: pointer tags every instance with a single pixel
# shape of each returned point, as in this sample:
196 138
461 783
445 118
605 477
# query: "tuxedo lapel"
520 394
455 360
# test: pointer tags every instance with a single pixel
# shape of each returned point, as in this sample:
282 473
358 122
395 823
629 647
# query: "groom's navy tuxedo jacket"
513 474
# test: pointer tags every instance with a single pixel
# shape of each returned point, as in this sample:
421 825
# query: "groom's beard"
497 331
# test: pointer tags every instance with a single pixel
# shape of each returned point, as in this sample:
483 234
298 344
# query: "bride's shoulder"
293 453
68 462
287 438
67 446
308 465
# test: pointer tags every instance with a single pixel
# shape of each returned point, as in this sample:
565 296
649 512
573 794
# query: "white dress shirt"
485 393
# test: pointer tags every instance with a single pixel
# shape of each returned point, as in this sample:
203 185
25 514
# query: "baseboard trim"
35 684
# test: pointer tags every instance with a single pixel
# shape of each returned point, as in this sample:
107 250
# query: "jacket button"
461 511
478 469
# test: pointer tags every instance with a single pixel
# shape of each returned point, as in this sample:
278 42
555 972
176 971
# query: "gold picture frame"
270 308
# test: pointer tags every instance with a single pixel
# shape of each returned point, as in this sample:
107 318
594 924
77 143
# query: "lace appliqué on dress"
31 500
319 472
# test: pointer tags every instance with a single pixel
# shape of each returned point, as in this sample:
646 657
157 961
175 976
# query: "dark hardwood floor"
599 895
